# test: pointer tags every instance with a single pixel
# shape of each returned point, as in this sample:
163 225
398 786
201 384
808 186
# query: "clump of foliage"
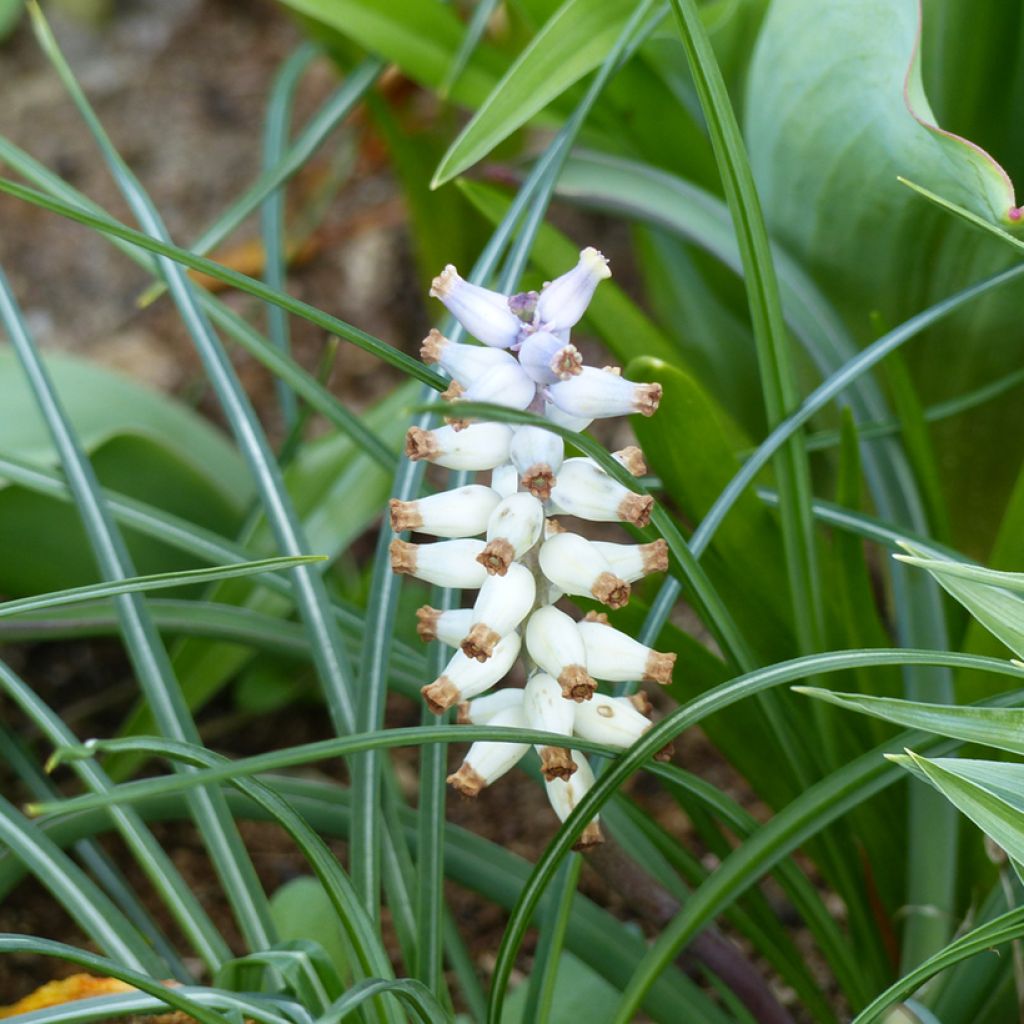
827 292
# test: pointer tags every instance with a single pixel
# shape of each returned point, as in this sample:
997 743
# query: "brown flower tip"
426 623
596 617
633 459
405 515
403 557
440 695
654 556
610 590
480 642
567 362
556 763
464 717
432 347
590 837
658 668
497 556
634 508
552 526
647 398
666 752
538 480
453 391
444 282
467 780
641 702
576 684
615 371
421 444
456 423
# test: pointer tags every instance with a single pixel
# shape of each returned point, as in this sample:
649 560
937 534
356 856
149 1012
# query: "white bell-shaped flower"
537 454
513 528
565 794
461 512
563 302
445 563
634 561
478 446
556 646
545 708
546 358
600 394
577 567
484 313
507 385
618 658
464 678
464 363
448 626
503 602
488 760
585 490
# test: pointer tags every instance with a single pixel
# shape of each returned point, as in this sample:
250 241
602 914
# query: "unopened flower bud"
565 794
464 677
481 710
524 305
488 760
537 454
547 358
512 529
632 459
599 394
485 314
577 567
585 490
478 446
507 385
546 709
448 626
564 301
618 658
556 646
563 419
446 563
464 363
462 512
503 602
634 561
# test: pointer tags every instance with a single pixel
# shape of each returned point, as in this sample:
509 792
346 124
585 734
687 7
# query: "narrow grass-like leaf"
475 29
158 581
413 993
77 894
272 210
777 374
148 853
148 655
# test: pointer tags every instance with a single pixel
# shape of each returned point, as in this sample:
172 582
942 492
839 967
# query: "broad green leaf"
1002 728
988 792
580 993
300 908
572 42
830 128
420 36
140 442
10 13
